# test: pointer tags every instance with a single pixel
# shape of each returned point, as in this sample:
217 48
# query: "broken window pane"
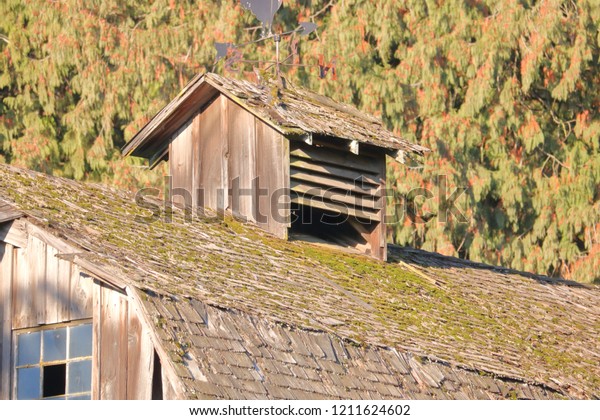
28 349
28 383
55 344
54 380
80 342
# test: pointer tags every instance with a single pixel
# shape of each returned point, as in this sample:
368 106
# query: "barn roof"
292 111
245 315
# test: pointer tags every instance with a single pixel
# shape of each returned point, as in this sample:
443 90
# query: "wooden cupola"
291 161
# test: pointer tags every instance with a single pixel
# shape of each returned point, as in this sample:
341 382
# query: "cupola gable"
295 163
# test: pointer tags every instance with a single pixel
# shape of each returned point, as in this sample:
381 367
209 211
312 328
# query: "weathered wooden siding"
181 166
239 164
38 288
208 162
6 271
46 289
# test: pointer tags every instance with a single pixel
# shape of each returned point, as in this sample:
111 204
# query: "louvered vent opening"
337 195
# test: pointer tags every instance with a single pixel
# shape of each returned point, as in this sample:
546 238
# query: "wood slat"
54 298
63 308
271 161
337 157
365 189
303 188
318 203
207 161
335 171
6 279
113 345
96 338
37 271
242 161
224 108
181 166
23 302
80 296
140 360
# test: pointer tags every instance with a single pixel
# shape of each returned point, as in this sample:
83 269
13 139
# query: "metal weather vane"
265 11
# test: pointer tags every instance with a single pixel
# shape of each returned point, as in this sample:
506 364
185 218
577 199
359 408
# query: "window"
54 363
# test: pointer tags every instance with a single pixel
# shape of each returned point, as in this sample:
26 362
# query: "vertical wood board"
6 277
80 295
242 161
23 303
181 165
140 359
54 298
210 150
273 180
113 345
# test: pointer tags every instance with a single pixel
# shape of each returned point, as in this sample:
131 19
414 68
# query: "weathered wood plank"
8 213
14 233
224 105
80 296
318 203
335 171
210 149
336 157
54 299
23 299
286 201
140 358
113 345
365 189
169 392
337 196
379 235
6 278
242 161
180 161
167 370
37 271
96 338
271 175
64 273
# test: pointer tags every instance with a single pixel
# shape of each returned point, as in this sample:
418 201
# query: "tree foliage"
505 93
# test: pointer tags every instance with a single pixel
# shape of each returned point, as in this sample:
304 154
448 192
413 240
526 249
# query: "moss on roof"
485 318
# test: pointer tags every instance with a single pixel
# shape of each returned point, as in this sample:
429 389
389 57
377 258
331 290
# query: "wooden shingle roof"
292 111
245 315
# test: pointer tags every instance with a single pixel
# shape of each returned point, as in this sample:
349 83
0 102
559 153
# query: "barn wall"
123 355
231 160
37 288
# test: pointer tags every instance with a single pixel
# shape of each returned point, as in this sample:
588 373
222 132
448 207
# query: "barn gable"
212 308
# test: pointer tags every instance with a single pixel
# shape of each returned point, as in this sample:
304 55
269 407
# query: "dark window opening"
157 386
310 224
55 379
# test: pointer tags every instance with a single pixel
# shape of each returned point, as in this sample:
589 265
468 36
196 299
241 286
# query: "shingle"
255 387
238 359
188 314
243 373
331 366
